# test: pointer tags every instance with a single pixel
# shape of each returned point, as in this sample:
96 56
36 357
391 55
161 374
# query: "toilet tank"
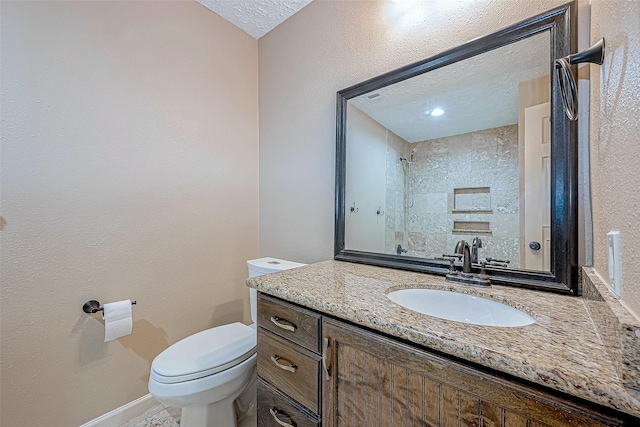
260 266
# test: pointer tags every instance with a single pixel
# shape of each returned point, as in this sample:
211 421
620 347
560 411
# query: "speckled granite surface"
619 329
563 350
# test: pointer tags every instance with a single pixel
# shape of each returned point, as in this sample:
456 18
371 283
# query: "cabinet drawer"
272 403
292 369
293 323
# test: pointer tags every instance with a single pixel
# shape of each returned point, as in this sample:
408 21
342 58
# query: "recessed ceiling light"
437 112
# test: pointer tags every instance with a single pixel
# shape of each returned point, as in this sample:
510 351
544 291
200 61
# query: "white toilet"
211 375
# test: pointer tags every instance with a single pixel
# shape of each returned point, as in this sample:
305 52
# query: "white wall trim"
123 414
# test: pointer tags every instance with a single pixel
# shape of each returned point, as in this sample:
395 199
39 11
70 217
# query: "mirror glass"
471 144
461 152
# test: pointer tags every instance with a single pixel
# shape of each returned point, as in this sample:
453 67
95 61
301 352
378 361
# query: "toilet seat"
203 354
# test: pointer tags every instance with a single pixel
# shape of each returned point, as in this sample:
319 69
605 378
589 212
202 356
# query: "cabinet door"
376 381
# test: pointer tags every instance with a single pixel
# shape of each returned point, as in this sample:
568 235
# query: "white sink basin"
460 307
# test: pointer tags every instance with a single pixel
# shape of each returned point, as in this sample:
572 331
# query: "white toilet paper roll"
118 321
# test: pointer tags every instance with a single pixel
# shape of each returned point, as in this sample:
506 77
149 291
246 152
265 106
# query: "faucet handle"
451 258
483 268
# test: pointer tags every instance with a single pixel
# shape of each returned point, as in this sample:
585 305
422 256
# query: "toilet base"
248 421
224 413
218 414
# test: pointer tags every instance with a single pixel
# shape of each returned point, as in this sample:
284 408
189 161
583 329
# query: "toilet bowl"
211 375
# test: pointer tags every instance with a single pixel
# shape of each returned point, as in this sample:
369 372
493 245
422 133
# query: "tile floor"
159 416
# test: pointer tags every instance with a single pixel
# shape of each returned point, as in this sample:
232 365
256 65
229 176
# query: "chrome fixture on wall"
594 55
93 306
408 179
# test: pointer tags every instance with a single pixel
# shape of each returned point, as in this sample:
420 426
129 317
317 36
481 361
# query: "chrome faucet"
475 244
462 248
466 276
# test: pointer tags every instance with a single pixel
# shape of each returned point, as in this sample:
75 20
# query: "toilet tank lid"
206 351
271 265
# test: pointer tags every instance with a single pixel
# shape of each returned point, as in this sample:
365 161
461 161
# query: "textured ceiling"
256 17
478 93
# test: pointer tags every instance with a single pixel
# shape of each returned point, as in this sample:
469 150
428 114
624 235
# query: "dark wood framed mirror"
470 144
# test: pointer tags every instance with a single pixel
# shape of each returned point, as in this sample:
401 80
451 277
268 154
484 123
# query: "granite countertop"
563 350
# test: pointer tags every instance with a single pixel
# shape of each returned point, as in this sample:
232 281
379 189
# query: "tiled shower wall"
487 158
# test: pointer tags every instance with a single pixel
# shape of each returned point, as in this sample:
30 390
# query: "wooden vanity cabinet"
377 381
346 376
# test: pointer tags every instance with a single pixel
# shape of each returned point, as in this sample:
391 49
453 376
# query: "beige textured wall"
129 170
615 140
328 46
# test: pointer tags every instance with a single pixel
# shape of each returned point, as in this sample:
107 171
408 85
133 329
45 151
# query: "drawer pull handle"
326 354
290 367
274 414
287 326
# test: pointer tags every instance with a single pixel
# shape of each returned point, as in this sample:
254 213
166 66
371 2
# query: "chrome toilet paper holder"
93 306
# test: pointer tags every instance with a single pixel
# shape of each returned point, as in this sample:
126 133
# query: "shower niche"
475 200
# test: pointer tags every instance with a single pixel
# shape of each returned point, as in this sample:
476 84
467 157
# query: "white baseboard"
123 414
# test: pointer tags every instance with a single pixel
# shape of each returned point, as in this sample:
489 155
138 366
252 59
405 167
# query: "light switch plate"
615 271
